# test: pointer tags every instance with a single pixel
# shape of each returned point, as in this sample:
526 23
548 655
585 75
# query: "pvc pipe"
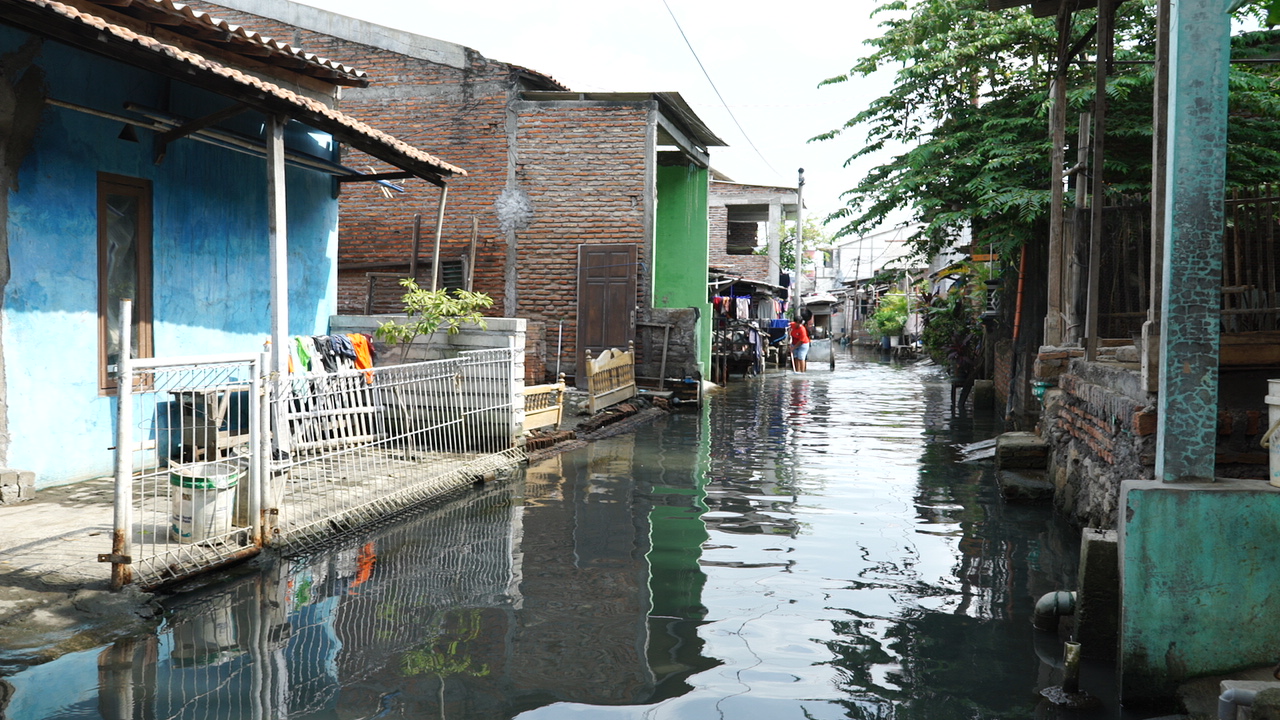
1071 667
1052 606
1230 699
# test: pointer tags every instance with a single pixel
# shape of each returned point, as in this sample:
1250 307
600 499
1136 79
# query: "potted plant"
889 319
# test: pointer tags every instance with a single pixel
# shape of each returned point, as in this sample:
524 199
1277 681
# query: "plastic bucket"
1273 415
202 500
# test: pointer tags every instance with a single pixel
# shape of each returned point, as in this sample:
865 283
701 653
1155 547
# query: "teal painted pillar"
1199 49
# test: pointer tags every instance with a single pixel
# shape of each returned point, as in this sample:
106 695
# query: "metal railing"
214 459
362 444
186 477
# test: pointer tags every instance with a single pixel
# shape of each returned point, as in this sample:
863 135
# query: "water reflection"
805 546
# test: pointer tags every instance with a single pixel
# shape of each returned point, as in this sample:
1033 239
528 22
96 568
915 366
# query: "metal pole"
435 252
795 282
121 540
256 403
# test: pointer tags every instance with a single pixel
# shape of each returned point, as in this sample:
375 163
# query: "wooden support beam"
163 139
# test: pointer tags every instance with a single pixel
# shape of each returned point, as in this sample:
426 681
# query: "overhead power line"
707 75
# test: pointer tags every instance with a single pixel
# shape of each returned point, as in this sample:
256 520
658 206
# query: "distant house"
585 213
133 135
746 219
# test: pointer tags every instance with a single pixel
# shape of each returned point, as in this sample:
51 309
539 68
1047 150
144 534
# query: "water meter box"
202 500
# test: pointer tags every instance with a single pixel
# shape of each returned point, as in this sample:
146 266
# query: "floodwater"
804 546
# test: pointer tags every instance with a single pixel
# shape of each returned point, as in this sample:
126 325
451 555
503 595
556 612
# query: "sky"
765 58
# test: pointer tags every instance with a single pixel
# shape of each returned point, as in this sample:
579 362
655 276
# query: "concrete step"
1016 450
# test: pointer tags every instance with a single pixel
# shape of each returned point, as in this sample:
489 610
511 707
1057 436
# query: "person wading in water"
799 345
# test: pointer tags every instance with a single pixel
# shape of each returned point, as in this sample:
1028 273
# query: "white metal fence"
214 459
365 443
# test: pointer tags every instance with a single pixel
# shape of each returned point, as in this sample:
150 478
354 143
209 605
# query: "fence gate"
188 470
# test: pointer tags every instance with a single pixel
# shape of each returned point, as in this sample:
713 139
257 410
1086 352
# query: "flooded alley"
803 546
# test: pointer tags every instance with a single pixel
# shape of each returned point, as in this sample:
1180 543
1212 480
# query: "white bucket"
203 498
1273 415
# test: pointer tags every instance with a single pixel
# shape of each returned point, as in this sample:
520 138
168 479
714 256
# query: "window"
124 269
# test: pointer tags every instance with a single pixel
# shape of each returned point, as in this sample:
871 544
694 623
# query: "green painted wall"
1200 568
680 248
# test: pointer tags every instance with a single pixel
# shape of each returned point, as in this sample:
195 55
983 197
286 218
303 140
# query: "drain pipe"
1230 699
1052 606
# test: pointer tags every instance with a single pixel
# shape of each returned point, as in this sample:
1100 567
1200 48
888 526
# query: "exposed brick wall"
583 167
457 114
750 267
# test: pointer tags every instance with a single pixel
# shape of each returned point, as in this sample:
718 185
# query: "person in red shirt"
799 345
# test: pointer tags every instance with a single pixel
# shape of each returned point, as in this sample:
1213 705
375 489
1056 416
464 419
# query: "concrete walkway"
53 591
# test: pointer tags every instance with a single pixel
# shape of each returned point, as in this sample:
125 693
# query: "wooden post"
277 230
471 253
417 249
1106 39
1078 279
1057 131
1150 350
435 251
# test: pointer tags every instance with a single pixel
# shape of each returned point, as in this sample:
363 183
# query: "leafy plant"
952 333
429 310
890 316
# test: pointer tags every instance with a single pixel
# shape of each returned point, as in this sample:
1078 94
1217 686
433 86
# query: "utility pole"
795 281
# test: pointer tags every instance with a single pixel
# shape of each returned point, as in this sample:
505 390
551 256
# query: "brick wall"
456 114
723 194
583 168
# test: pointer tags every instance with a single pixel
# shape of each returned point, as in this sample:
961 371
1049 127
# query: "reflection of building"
492 604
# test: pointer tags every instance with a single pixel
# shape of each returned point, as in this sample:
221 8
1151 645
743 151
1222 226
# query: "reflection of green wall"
680 248
676 536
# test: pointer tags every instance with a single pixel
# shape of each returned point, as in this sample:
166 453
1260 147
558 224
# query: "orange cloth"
364 356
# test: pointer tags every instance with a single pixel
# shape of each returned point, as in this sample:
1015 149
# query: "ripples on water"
805 546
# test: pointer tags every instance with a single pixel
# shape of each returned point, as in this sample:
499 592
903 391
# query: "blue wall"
210 269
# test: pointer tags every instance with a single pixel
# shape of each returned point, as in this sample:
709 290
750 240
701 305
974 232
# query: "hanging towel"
364 353
744 308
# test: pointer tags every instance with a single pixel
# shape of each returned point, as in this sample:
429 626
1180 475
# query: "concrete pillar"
1199 50
773 236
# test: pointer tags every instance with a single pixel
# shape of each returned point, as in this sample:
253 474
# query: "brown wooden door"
606 300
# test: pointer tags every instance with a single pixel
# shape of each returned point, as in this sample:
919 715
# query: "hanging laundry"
744 308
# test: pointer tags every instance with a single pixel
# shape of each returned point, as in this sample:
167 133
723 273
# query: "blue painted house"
151 152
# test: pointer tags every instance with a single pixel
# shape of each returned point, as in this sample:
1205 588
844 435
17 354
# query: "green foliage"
814 237
890 316
952 333
428 310
968 115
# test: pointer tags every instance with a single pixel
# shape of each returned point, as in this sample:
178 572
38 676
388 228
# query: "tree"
968 115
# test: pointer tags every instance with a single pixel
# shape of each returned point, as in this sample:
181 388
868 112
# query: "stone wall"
1100 424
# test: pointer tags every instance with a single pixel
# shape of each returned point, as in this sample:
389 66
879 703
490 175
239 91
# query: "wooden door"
606 300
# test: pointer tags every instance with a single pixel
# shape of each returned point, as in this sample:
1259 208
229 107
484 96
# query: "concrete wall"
680 249
1199 577
210 269
682 343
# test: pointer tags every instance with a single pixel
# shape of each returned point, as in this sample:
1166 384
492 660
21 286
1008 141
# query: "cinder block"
9 494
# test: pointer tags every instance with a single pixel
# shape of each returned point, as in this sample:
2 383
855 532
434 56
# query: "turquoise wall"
680 248
1200 566
210 265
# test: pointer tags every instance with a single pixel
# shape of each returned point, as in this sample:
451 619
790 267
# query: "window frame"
140 188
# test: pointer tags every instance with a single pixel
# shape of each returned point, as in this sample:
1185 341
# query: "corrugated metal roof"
253 91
